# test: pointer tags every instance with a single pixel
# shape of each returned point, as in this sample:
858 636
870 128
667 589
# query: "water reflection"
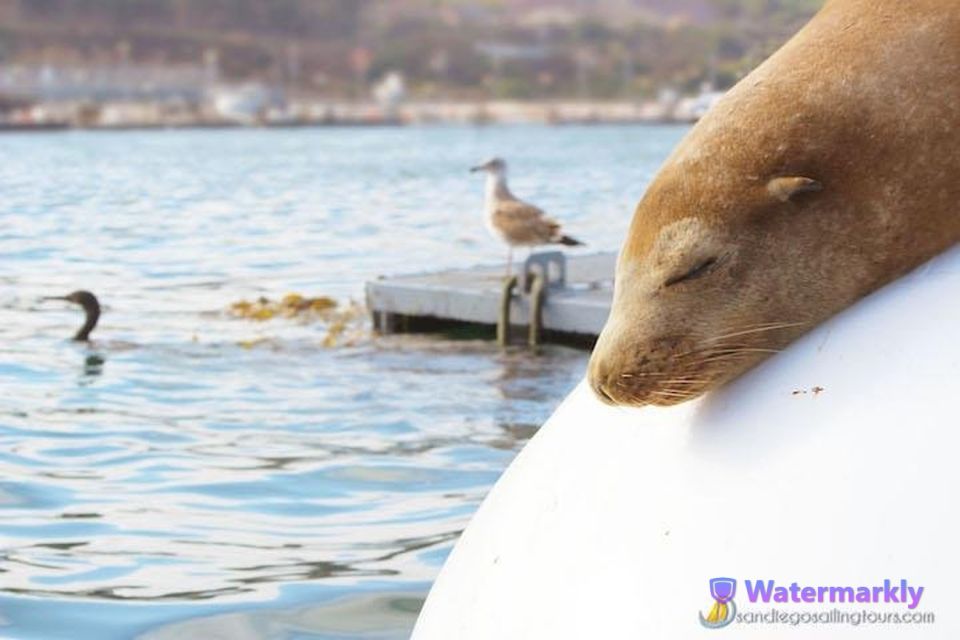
92 367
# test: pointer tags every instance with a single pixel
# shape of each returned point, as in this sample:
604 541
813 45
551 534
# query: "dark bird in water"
91 307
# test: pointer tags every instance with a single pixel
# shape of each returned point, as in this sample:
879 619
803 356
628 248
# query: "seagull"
514 221
91 307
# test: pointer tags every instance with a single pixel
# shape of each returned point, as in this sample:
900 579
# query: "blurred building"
209 56
106 82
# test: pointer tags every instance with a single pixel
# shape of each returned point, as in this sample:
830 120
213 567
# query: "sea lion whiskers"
692 371
690 382
719 349
678 396
669 392
641 374
708 343
737 350
759 328
721 362
685 378
721 354
671 395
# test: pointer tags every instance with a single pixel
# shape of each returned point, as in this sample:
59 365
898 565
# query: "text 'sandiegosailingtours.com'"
833 616
889 602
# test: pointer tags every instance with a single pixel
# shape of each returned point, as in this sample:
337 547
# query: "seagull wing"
524 224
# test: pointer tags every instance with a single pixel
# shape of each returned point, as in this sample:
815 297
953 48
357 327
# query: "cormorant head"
91 307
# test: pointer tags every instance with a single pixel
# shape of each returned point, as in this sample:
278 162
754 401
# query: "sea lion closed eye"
829 171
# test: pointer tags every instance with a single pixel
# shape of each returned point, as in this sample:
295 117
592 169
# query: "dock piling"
503 319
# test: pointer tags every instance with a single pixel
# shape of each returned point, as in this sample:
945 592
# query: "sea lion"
829 171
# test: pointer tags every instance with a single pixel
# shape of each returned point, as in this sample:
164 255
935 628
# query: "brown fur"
829 171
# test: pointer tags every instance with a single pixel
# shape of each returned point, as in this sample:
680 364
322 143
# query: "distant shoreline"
62 127
120 116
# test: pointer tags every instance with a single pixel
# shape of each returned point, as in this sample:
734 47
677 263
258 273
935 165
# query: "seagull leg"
509 260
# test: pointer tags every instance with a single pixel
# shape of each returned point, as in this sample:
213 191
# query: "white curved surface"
611 521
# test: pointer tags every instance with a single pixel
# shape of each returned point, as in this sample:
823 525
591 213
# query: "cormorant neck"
93 315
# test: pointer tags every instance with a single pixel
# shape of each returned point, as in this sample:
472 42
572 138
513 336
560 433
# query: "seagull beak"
480 167
45 298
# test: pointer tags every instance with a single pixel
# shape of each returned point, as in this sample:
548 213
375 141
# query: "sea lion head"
700 297
804 189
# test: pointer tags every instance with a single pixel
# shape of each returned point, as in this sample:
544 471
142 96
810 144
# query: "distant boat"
246 104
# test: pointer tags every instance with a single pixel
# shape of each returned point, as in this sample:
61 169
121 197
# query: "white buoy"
833 464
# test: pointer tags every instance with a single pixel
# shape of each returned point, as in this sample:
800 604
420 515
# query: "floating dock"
578 295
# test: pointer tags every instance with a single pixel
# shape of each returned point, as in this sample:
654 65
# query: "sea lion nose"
599 378
601 392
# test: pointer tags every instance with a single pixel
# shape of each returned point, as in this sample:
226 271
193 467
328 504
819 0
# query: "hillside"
506 48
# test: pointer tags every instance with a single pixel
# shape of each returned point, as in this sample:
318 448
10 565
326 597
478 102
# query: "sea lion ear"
784 188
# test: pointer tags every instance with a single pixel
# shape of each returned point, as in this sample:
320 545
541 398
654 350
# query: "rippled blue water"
194 475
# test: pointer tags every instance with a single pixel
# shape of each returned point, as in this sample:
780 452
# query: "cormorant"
91 307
